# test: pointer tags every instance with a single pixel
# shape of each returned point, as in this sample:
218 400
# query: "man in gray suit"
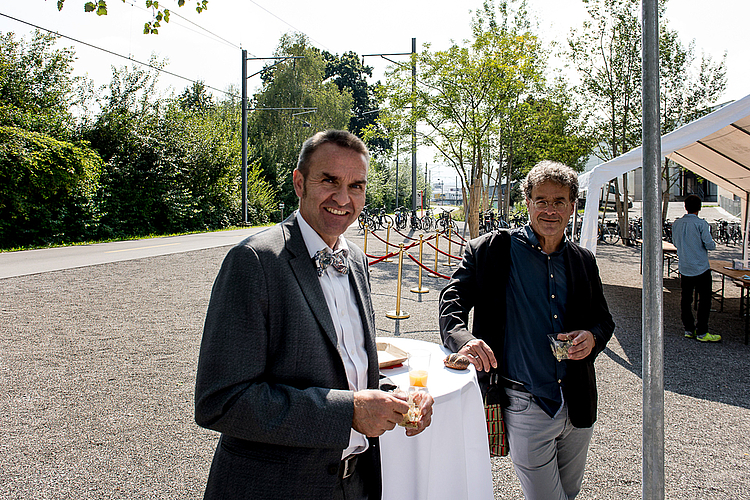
288 365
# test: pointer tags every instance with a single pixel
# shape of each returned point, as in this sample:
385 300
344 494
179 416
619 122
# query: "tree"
195 98
36 86
552 130
468 94
172 164
276 131
687 91
47 177
159 13
349 73
607 55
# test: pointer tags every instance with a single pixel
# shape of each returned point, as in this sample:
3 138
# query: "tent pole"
653 265
747 228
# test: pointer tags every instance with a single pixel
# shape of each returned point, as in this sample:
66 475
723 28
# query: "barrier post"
398 313
387 243
437 246
450 232
365 245
419 288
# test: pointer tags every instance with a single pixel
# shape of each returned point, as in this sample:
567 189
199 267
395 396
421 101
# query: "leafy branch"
159 13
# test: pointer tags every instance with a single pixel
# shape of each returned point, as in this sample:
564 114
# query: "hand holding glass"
415 399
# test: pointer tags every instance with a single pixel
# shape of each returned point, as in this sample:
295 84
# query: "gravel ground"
98 366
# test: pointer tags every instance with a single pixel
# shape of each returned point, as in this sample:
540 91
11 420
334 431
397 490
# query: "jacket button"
333 469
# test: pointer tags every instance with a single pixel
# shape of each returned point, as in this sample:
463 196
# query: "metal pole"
426 185
398 313
652 295
244 136
414 124
396 172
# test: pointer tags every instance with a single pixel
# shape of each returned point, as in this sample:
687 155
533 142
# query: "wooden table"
669 254
670 257
724 267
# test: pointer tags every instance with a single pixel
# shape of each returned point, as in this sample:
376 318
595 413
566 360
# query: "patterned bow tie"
324 258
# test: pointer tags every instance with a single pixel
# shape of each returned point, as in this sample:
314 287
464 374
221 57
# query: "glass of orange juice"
419 363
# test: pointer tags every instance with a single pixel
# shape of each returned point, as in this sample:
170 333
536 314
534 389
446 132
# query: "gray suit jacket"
270 377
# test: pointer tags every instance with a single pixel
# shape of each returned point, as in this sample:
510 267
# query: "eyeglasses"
557 205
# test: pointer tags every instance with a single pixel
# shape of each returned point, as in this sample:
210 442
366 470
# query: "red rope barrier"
405 236
380 259
444 253
445 235
457 243
386 242
392 254
455 233
427 268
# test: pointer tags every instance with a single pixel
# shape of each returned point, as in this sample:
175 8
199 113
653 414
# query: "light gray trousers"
549 454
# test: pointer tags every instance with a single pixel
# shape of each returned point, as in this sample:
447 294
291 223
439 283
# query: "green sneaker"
709 337
689 334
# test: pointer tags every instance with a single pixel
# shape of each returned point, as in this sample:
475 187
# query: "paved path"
54 259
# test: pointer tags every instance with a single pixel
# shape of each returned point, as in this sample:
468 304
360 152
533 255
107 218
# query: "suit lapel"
309 283
304 272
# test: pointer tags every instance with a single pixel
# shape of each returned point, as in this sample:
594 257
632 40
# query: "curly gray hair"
556 172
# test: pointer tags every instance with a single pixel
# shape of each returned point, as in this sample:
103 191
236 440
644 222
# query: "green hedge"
47 188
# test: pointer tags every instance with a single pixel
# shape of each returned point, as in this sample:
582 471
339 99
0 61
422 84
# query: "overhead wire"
290 25
161 70
175 14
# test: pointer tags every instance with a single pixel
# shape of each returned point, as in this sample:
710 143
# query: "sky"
207 46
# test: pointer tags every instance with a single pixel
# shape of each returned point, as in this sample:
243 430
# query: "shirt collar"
528 236
313 241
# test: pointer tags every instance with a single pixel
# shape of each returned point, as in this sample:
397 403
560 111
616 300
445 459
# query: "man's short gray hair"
554 171
341 138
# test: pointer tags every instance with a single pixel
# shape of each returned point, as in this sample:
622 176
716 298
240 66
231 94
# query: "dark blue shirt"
535 301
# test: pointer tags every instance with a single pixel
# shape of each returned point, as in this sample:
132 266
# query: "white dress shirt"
342 304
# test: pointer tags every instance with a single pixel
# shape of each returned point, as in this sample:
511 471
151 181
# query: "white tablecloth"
451 458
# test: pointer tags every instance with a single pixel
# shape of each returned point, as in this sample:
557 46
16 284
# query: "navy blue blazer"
479 283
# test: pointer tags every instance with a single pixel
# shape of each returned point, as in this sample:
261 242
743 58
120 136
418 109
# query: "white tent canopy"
716 147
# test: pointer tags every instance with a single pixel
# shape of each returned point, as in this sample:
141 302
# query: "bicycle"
609 232
735 232
569 232
726 232
414 221
400 217
364 219
517 219
635 229
445 221
666 231
428 220
487 221
382 219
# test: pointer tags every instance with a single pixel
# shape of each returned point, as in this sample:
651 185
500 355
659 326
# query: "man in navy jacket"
523 285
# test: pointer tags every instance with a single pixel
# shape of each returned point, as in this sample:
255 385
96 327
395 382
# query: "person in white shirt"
692 237
288 369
